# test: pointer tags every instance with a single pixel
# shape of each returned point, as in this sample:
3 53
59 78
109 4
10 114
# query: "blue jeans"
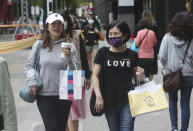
119 117
185 105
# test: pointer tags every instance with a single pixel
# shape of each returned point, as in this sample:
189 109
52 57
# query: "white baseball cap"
53 17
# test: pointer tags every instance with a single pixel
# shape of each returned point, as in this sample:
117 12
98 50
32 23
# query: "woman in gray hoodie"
54 111
7 104
171 54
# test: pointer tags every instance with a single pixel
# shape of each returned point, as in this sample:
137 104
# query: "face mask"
90 21
65 25
115 41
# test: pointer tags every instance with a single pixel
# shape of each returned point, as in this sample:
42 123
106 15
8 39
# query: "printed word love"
116 63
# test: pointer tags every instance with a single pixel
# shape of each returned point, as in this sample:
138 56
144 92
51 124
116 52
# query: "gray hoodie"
50 66
7 103
172 52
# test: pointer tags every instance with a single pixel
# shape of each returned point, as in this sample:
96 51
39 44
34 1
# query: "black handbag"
93 95
1 122
174 80
92 105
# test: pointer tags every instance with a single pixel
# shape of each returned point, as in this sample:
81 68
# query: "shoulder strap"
186 51
37 58
144 37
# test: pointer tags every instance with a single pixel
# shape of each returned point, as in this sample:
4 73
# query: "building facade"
163 11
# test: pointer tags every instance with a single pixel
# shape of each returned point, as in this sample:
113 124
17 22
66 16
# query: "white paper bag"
71 84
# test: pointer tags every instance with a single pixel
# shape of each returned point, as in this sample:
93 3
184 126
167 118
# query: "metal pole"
67 5
59 4
54 5
62 4
34 10
45 10
24 19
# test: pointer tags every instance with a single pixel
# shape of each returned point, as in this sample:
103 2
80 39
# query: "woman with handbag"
171 54
147 15
118 65
146 40
54 111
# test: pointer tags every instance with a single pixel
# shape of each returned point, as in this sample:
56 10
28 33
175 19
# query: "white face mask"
90 21
65 25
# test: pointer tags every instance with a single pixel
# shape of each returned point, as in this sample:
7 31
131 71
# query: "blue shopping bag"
134 48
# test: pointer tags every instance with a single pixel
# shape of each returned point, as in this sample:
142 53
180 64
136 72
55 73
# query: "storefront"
163 11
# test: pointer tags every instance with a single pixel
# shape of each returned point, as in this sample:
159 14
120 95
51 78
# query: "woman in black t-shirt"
114 68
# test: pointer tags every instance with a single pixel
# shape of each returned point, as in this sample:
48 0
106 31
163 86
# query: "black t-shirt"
89 36
117 72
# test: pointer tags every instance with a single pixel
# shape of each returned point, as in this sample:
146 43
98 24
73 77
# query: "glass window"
147 4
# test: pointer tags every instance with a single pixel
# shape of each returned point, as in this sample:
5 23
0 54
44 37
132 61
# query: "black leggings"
54 112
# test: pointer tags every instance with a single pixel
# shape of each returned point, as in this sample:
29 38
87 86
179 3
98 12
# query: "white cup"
64 46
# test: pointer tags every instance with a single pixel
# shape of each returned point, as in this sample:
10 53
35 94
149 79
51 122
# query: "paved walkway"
28 115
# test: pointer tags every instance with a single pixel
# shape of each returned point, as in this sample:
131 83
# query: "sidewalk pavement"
6 37
28 115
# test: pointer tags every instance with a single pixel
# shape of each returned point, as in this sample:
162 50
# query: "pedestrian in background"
78 108
113 71
146 40
90 35
172 50
7 102
147 15
54 111
75 24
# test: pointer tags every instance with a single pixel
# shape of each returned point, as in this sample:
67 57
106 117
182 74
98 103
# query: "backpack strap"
37 58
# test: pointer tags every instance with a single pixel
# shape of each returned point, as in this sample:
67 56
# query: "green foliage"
36 2
73 4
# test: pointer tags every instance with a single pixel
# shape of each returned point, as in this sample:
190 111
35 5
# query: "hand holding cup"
66 51
139 73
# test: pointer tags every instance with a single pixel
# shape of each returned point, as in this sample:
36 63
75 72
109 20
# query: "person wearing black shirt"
90 35
113 71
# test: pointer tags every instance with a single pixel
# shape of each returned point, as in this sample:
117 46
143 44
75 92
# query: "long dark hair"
181 26
142 24
122 26
67 18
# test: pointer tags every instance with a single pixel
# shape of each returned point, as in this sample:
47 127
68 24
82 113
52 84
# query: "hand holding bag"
72 84
174 80
25 92
147 98
101 86
92 105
